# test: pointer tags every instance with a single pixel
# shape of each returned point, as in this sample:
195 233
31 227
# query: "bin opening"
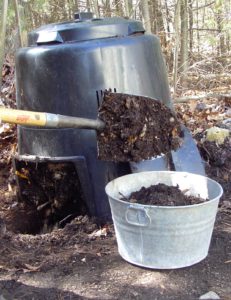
51 192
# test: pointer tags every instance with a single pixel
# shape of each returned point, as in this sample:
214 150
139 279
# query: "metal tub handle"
137 216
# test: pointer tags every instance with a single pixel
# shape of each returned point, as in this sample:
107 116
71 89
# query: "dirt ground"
73 265
81 261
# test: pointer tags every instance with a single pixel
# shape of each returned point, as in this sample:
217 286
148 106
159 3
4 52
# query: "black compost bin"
62 71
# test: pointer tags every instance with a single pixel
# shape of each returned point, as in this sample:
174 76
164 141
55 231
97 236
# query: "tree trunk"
96 8
88 5
76 6
153 16
167 18
160 25
128 7
18 20
2 36
177 42
198 34
184 40
146 15
70 11
118 7
190 26
227 7
168 50
107 8
221 46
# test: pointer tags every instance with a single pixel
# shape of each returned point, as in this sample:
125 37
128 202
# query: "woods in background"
190 31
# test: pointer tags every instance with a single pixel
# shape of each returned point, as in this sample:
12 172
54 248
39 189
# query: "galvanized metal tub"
164 237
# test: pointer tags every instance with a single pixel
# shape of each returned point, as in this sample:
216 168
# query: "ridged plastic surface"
63 78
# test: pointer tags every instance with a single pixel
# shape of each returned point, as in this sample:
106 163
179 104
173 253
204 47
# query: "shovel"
185 158
48 120
129 127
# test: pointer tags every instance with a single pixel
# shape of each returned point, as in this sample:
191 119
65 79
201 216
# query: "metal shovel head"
187 158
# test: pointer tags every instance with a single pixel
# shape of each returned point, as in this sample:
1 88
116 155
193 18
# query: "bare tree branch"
208 95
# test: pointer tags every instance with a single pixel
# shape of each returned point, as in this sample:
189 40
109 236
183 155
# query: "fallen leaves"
7 142
102 232
201 115
8 91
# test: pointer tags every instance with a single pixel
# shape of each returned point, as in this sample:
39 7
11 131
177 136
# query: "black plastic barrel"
63 70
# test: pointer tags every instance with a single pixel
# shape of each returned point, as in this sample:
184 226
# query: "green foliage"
212 40
210 23
218 5
11 15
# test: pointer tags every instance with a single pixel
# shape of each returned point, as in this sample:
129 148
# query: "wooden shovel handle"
32 118
28 118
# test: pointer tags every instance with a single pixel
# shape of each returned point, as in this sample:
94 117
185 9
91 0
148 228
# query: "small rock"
201 106
227 124
228 113
83 259
210 296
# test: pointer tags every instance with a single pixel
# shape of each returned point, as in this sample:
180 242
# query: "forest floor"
81 260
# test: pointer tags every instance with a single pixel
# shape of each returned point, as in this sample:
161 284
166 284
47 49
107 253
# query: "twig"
42 206
206 150
212 95
65 219
228 261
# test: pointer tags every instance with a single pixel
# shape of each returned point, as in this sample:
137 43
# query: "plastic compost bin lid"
83 28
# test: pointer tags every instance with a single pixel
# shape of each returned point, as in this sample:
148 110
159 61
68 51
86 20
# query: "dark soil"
218 164
217 155
163 195
137 128
50 191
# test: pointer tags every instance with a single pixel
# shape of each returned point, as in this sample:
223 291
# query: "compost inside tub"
136 128
163 195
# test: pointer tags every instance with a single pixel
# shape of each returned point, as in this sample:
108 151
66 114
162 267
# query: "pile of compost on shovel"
136 128
163 195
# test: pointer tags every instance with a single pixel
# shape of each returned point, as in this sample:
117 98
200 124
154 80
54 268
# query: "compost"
163 195
136 128
49 194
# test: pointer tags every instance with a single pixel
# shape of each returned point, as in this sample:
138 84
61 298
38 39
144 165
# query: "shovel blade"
156 164
187 158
